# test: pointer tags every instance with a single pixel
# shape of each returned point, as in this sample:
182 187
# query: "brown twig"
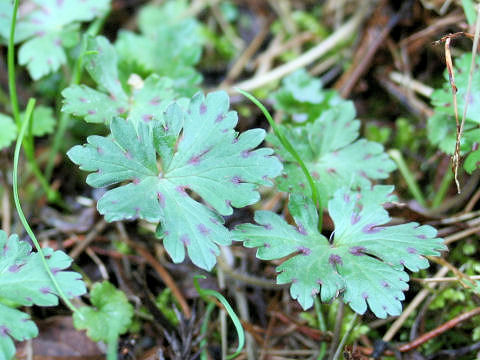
451 78
81 246
439 330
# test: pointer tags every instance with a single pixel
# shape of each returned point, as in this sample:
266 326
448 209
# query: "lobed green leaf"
24 281
162 161
364 259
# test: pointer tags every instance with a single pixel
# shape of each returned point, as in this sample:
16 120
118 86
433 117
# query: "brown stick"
439 330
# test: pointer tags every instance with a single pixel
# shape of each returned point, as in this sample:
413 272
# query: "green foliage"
147 102
109 317
164 302
377 133
302 97
472 162
43 123
169 44
9 131
332 153
49 28
441 126
364 259
25 282
199 151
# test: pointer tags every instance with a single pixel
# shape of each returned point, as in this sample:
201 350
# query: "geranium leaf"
364 260
24 328
111 100
169 45
24 281
44 30
332 154
109 316
199 151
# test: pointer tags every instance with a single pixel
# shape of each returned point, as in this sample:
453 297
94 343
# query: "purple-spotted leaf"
364 259
24 281
199 151
332 153
47 27
145 103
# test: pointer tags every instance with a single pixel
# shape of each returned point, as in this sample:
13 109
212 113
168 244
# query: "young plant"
166 159
47 29
108 318
363 259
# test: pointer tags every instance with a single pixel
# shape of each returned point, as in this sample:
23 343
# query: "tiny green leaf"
109 316
199 151
364 259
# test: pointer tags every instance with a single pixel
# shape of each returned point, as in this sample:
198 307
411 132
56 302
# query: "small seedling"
108 318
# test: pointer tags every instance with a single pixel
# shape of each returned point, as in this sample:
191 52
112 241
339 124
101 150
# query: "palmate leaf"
302 97
109 318
111 100
24 281
169 44
332 153
47 29
365 261
209 158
